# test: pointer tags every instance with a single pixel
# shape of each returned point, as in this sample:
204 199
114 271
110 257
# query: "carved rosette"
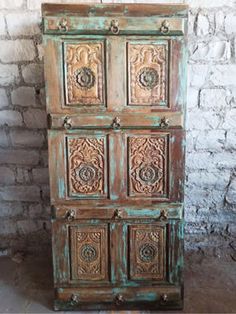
89 252
86 166
148 74
84 75
148 166
146 252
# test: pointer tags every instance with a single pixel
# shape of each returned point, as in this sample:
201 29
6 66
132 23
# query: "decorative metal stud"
118 214
119 299
163 215
74 299
164 297
67 123
116 123
164 122
114 27
70 215
165 27
63 25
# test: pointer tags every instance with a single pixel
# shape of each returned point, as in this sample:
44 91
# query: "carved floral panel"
89 252
84 75
147 74
147 249
87 166
148 165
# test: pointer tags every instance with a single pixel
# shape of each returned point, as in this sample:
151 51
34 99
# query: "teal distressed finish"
116 246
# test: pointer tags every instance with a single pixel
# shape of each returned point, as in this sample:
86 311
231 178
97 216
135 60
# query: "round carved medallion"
147 252
148 174
84 78
88 253
148 78
86 173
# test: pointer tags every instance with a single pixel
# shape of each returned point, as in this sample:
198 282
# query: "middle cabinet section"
116 165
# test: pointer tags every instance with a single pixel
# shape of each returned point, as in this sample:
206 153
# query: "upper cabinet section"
106 58
114 19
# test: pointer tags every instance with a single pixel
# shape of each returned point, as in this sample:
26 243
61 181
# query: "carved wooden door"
116 86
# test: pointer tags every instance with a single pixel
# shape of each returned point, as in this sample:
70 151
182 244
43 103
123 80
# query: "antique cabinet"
116 95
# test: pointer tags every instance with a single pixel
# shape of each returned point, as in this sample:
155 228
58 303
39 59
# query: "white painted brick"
212 140
27 226
205 197
231 192
3 138
2 25
35 118
224 160
223 75
3 98
199 120
192 98
231 140
33 73
27 138
46 192
197 74
22 175
206 179
213 99
19 156
40 175
230 23
35 210
7 176
11 4
17 50
11 209
216 50
40 49
198 160
20 193
210 4
203 25
9 74
23 23
10 118
23 96
230 119
44 154
7 227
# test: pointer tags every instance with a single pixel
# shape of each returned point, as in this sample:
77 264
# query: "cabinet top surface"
135 10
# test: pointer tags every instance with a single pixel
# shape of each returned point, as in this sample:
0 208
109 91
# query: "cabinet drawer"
119 298
130 252
115 213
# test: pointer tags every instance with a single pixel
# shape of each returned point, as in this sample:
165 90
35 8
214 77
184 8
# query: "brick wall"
211 135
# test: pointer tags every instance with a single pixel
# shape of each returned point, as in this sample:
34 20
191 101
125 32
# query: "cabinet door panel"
78 164
84 72
148 63
154 168
147 252
81 253
153 250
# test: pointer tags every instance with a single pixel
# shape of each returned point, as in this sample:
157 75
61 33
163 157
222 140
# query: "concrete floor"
26 287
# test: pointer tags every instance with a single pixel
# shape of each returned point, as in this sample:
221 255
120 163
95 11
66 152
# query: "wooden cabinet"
116 96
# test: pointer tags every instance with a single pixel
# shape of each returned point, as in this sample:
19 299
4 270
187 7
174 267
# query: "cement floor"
26 287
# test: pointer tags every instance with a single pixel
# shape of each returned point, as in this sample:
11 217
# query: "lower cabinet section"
163 297
92 258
